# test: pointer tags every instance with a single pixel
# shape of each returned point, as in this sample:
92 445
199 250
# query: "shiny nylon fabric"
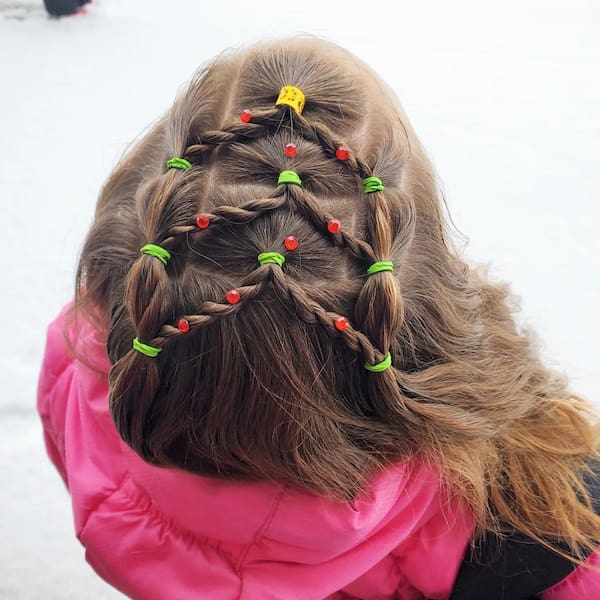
156 533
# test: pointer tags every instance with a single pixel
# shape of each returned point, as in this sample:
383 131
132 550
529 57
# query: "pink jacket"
161 534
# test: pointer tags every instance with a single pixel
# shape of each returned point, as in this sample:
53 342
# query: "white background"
504 95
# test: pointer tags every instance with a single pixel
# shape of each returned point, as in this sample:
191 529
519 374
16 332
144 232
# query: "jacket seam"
99 503
261 530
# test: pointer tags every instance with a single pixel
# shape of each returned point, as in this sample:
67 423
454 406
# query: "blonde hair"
269 388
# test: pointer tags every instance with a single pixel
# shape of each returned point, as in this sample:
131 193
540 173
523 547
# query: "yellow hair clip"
292 96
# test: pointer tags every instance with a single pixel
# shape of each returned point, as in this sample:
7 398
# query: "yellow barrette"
292 96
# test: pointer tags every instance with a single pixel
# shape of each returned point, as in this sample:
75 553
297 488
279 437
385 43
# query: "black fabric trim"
514 568
510 569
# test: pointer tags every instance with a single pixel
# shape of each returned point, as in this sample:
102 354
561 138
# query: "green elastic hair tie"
377 267
265 258
146 349
289 177
380 366
373 184
178 163
156 251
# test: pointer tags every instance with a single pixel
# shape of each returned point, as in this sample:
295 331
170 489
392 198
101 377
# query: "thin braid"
321 135
311 312
307 205
235 132
251 288
148 289
379 311
148 301
209 312
232 214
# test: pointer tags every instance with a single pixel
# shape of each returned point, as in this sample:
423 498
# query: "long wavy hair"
275 386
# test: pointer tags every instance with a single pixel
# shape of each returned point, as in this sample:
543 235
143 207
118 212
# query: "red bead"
245 116
203 221
291 242
342 153
342 323
334 226
233 296
290 150
183 325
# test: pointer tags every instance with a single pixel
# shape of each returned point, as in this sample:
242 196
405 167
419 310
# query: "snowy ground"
505 96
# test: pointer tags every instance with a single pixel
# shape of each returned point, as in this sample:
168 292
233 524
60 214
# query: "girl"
279 380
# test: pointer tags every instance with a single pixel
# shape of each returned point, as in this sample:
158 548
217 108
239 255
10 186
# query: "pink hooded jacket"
157 533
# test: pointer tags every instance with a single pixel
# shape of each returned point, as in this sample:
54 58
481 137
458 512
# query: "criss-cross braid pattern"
373 340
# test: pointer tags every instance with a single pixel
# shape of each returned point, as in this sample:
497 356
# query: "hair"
268 388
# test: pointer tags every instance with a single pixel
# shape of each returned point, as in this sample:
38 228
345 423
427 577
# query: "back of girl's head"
271 361
267 386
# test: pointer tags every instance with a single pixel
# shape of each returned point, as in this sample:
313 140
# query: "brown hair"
269 388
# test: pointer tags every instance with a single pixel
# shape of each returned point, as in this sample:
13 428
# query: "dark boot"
61 8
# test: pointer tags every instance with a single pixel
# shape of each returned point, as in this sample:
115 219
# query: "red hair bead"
291 242
245 116
233 296
334 226
183 325
290 150
342 323
342 153
202 221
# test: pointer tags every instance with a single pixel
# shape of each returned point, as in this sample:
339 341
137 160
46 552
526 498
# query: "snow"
505 97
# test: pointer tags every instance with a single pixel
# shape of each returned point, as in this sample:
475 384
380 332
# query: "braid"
308 207
148 288
321 135
379 306
310 311
167 203
262 123
252 287
237 215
